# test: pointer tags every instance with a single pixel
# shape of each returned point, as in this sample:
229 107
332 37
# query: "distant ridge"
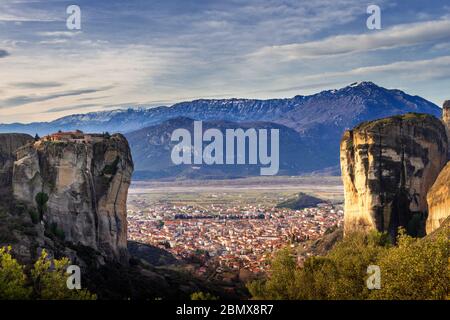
310 126
363 100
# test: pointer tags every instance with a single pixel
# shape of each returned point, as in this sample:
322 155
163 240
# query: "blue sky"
151 53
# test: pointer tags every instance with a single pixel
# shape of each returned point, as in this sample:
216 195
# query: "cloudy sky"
152 52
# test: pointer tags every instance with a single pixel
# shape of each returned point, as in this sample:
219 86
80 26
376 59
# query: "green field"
266 191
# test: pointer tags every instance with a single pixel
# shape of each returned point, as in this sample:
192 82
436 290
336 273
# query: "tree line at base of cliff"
413 269
46 280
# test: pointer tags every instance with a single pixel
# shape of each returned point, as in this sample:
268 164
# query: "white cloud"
27 11
426 73
427 69
6 17
59 33
133 72
398 36
53 41
160 56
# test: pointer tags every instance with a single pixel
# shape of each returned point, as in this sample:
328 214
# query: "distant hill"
311 126
301 201
153 146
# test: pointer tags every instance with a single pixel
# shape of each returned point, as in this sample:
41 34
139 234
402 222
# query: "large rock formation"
438 197
439 200
446 120
388 166
87 182
9 143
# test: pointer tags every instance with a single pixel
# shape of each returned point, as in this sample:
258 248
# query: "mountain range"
310 127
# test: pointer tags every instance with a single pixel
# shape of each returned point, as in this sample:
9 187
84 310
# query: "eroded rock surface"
446 120
388 166
438 199
9 143
87 186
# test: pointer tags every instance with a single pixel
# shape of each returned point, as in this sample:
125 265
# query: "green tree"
50 280
47 279
339 275
350 259
41 201
281 284
13 281
416 269
413 269
203 296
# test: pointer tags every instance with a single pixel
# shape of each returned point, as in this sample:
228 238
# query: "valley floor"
228 229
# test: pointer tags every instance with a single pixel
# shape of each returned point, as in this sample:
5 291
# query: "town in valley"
230 231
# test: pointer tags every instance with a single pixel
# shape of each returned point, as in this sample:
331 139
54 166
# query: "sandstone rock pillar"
446 119
388 166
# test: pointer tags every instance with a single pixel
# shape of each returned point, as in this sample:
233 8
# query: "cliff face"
439 200
446 120
87 187
388 166
9 143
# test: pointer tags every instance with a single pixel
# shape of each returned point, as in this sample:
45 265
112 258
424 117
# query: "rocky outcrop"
87 186
388 166
438 199
9 143
446 120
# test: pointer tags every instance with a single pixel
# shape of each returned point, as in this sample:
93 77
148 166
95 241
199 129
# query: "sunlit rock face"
388 166
87 185
438 199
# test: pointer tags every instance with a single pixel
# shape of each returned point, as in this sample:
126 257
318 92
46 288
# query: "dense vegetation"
412 269
199 295
41 202
47 279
